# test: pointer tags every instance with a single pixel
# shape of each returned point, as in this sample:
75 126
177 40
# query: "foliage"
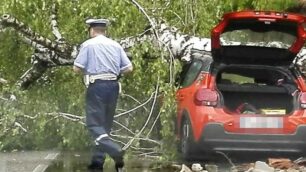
60 90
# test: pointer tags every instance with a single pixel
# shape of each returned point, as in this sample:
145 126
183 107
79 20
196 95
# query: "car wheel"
187 143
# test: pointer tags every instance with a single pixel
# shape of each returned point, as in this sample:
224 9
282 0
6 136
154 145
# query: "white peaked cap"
97 22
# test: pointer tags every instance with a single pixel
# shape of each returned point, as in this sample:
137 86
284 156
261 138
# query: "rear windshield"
259 33
251 75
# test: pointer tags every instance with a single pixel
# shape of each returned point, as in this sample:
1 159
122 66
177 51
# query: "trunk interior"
257 90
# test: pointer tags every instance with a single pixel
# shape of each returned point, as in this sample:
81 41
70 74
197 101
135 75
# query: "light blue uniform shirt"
102 55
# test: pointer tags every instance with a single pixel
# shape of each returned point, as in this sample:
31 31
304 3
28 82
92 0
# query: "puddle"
77 162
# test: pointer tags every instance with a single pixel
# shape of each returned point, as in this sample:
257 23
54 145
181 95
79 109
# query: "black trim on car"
215 138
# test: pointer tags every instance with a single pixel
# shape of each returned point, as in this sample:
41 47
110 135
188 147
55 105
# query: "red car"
250 96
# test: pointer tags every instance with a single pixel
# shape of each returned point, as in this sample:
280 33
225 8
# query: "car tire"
187 145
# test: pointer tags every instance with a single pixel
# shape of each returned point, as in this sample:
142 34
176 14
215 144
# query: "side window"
206 64
191 74
180 77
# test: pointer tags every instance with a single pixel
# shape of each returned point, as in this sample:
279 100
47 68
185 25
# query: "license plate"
261 122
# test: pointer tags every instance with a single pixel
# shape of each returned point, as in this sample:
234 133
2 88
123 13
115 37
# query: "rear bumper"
215 138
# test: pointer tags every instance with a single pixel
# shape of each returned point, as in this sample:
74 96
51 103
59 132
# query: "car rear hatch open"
258 37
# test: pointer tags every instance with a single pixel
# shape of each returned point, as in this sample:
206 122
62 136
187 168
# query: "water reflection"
77 162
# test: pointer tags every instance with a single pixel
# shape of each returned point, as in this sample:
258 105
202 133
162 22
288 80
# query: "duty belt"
89 79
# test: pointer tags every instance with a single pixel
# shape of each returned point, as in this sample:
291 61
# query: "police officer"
101 60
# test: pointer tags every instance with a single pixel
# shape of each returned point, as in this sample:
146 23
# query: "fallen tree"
53 53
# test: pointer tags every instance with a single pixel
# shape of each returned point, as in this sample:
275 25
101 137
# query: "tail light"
303 100
207 97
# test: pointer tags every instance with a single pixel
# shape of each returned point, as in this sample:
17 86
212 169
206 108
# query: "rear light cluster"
303 100
206 97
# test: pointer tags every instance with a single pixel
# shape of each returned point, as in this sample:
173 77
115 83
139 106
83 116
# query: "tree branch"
3 81
47 53
74 118
154 123
17 124
138 138
9 21
124 127
126 95
5 99
31 75
135 108
54 25
129 42
51 54
152 23
148 119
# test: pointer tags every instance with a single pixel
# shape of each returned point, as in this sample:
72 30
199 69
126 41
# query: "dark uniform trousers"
101 100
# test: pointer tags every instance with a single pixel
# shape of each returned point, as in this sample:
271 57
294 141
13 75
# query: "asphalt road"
51 161
33 161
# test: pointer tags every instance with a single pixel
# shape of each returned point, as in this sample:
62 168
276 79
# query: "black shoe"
119 166
119 163
95 166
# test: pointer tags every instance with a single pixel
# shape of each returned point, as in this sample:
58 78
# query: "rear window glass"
259 33
258 76
235 78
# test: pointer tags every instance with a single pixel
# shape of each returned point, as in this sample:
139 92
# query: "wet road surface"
52 161
77 162
34 161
